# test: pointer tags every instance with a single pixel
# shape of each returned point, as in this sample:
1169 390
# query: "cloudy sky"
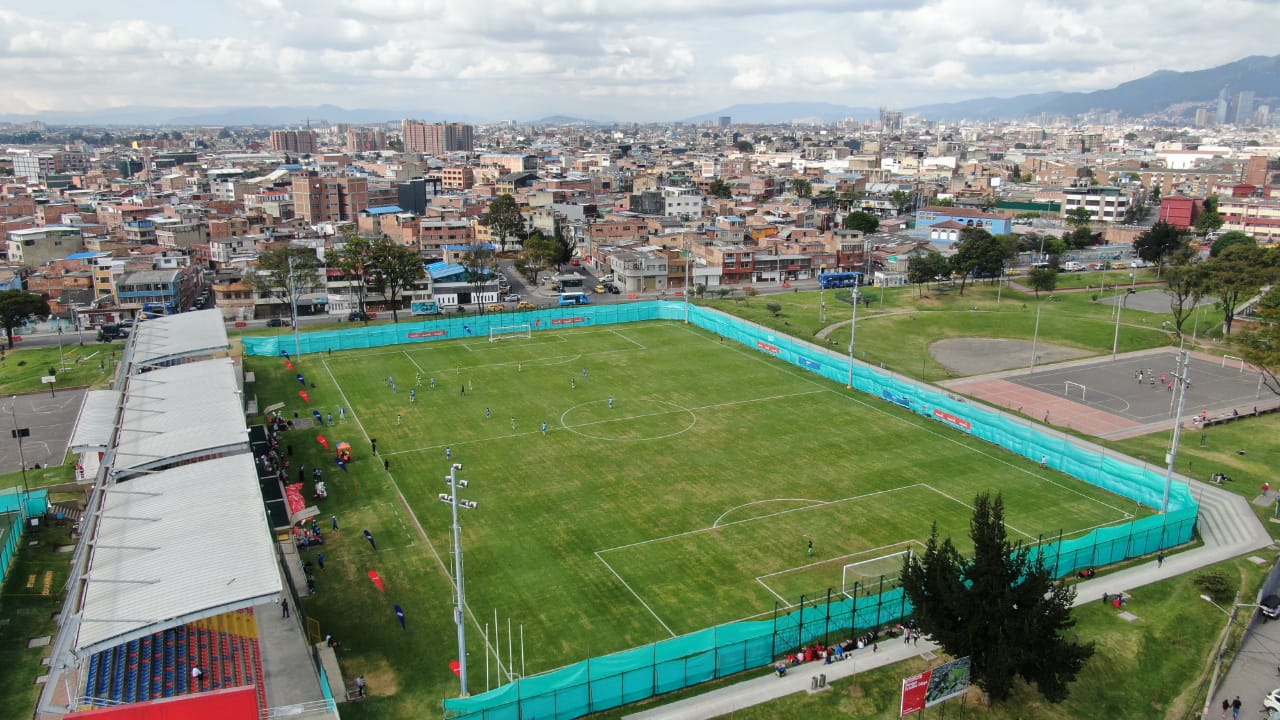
602 59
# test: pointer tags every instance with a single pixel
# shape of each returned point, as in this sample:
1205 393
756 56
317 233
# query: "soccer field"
688 501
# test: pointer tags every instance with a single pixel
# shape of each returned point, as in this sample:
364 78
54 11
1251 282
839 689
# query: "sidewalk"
1228 527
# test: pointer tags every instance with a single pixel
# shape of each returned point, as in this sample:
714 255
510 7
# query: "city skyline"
661 61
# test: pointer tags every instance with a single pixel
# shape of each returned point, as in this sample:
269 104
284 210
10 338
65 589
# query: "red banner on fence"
945 416
915 690
427 334
568 321
767 347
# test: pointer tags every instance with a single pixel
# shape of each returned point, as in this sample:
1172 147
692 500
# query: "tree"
943 202
1079 237
286 272
481 262
978 253
1235 237
720 188
1079 217
744 146
849 198
1234 276
1209 218
775 308
16 307
393 268
902 200
926 268
504 220
1002 608
1043 278
1159 243
353 259
859 220
1260 346
802 187
1184 285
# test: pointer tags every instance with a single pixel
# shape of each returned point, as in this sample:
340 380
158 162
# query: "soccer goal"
506 332
868 574
1066 389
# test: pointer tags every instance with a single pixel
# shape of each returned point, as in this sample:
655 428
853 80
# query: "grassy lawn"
91 364
1105 278
618 526
37 569
895 330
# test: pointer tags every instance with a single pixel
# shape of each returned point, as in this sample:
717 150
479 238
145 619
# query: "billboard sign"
934 686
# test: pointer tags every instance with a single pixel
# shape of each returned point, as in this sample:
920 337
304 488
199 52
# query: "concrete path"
1227 524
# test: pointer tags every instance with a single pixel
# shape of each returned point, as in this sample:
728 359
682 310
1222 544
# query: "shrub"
1217 584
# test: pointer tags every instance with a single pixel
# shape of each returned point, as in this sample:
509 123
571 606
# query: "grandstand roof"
189 410
176 546
171 338
96 421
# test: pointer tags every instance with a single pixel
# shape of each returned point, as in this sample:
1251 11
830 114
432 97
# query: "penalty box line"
762 578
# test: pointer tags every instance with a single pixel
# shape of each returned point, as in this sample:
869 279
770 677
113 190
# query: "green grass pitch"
689 503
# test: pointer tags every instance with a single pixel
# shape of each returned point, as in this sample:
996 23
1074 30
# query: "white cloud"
661 59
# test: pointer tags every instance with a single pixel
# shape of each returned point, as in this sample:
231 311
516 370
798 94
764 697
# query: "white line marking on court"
635 594
758 502
846 556
628 339
970 507
765 585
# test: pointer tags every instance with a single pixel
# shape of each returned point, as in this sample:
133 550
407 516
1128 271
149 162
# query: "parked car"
575 262
511 298
355 315
1270 607
612 288
525 306
276 322
601 288
497 307
1271 702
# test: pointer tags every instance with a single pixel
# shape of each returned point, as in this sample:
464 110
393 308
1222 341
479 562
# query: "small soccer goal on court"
1068 387
507 332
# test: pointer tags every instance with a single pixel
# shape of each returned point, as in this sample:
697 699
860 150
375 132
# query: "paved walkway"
1229 529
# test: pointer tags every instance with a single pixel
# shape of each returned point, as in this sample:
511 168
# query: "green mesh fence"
612 680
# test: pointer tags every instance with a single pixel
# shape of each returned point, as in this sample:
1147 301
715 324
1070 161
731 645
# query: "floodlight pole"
1184 362
1115 341
1035 340
293 310
688 260
17 434
459 617
853 329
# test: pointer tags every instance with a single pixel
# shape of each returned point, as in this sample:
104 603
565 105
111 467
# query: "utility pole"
853 329
1181 377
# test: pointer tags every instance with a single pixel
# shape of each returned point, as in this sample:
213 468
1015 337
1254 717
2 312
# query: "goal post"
506 332
869 573
1066 389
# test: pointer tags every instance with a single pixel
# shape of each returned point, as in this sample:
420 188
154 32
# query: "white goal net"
868 574
506 332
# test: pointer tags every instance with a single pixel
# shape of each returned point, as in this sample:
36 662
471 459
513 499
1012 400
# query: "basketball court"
50 420
1105 397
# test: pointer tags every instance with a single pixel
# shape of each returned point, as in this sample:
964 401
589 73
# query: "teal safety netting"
612 680
15 507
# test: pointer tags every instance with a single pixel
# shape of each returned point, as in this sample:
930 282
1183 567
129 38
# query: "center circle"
628 420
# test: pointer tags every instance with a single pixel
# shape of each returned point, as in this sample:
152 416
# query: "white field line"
636 595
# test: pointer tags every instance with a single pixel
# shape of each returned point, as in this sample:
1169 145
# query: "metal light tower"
459 612
688 260
853 329
293 309
18 434
1184 366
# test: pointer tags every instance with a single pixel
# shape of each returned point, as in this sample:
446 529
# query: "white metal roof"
96 420
176 546
189 409
173 337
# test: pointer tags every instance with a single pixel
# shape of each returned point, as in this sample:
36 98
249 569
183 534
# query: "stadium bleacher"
224 647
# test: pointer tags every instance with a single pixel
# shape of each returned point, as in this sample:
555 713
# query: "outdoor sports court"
50 418
1104 397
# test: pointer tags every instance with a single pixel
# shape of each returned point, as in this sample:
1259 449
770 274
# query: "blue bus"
574 298
839 279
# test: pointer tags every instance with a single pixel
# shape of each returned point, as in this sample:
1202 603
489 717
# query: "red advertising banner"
914 690
568 321
767 347
953 419
427 333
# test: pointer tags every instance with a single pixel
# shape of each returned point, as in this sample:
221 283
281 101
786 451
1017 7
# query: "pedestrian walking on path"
1160 559
284 607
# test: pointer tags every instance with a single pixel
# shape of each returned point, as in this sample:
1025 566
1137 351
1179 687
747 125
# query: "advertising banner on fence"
934 686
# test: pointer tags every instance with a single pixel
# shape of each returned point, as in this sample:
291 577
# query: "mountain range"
1153 93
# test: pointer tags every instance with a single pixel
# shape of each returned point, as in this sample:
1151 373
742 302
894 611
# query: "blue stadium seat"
117 676
91 687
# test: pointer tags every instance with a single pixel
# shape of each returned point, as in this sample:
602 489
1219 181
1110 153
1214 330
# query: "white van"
1072 266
